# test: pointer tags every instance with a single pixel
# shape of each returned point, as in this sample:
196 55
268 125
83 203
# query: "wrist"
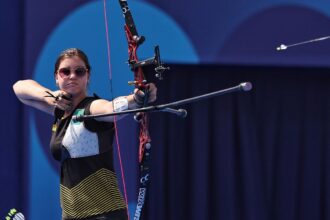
49 97
120 104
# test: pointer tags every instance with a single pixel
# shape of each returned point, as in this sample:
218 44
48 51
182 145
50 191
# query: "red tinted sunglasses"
65 72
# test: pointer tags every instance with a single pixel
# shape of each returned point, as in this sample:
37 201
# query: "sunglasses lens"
64 72
80 72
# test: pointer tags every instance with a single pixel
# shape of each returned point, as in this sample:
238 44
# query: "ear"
56 79
88 77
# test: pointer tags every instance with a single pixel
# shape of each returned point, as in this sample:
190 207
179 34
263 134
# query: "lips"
72 84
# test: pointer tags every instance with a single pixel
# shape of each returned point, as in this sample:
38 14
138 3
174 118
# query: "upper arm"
42 106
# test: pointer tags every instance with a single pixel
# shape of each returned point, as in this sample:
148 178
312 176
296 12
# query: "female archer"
88 183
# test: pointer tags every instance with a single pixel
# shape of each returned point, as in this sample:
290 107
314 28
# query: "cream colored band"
120 104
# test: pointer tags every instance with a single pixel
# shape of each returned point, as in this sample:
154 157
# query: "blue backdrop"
218 37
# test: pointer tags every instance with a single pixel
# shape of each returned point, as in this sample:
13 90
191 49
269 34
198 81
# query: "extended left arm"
133 101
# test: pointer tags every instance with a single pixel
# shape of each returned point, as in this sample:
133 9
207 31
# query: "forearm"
122 103
33 94
30 90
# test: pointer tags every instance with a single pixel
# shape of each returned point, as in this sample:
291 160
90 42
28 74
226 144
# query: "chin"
77 94
73 92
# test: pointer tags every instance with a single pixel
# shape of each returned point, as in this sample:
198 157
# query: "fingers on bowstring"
63 101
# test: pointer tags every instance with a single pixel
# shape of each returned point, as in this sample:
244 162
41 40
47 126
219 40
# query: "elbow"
16 86
20 88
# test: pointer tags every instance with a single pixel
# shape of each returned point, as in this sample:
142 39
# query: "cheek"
59 81
85 81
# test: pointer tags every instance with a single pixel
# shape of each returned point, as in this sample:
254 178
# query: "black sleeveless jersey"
88 182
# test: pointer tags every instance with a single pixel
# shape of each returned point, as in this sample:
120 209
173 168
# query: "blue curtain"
12 160
257 155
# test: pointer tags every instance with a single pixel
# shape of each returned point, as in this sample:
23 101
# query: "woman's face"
72 76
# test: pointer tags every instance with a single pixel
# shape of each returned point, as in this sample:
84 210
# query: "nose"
72 74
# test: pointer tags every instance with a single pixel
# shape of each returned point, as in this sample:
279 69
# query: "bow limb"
134 41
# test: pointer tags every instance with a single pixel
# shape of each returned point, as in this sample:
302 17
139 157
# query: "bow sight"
156 61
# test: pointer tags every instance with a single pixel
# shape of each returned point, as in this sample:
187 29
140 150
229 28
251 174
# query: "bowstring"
111 91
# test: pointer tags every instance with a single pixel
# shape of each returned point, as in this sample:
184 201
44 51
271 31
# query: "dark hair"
71 52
